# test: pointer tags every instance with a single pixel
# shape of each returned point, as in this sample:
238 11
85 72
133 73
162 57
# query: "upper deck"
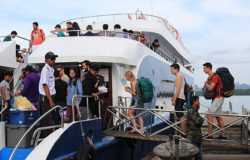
84 47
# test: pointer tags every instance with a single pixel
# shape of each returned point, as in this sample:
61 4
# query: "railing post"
177 148
99 108
172 130
171 146
87 100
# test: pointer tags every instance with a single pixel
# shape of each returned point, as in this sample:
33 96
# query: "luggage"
145 90
209 94
227 81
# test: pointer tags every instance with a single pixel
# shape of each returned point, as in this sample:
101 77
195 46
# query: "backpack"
227 81
145 90
188 95
209 94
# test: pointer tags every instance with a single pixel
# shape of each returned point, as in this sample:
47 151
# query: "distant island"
237 92
240 90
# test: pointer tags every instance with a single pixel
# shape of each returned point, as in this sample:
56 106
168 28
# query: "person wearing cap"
47 91
10 37
59 33
31 84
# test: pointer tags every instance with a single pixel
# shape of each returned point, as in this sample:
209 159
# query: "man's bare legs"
183 125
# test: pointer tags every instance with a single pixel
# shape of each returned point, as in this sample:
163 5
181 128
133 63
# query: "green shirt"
7 38
60 34
193 127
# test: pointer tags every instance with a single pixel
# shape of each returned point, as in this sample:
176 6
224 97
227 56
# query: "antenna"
151 6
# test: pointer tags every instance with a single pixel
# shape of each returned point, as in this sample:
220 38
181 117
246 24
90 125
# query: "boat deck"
123 134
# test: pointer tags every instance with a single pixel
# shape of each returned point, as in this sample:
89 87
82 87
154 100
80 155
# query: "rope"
80 118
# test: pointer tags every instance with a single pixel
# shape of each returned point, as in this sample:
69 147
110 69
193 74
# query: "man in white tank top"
178 99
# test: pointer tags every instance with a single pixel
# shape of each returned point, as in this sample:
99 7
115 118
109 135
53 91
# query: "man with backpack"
214 86
37 37
178 99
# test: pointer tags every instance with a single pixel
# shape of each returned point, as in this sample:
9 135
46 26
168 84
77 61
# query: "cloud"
227 7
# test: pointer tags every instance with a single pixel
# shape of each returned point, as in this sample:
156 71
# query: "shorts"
216 105
179 107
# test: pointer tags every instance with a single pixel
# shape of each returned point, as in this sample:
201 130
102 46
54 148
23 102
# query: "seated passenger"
59 33
76 27
117 31
105 31
71 31
10 37
155 45
89 29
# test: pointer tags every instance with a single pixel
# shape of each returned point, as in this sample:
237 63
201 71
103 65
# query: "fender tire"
85 152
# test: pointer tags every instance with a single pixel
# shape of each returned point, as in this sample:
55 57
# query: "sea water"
237 102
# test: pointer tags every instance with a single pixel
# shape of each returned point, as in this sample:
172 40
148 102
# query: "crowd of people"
49 87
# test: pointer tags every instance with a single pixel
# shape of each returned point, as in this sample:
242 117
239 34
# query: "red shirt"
217 80
36 35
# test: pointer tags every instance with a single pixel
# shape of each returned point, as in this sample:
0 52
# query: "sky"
213 31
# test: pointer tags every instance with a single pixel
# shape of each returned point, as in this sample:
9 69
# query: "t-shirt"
71 32
217 80
60 34
47 77
61 91
37 36
7 38
6 87
30 89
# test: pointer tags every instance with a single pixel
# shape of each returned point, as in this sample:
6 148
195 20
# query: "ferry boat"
116 55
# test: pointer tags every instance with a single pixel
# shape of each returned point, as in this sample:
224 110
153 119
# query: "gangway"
120 127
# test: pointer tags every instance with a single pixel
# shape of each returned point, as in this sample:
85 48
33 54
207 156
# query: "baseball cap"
50 55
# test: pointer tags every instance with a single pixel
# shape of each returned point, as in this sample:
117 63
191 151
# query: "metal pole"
171 146
172 120
73 111
99 108
87 100
177 148
31 127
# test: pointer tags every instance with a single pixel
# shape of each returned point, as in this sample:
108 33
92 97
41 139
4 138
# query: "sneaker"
209 137
221 137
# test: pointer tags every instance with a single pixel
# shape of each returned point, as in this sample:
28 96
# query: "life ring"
86 152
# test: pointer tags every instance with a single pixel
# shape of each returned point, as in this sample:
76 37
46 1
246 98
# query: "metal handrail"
132 35
31 127
87 102
172 111
49 127
159 19
17 37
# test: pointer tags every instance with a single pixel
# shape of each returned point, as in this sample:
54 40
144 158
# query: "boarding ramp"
119 128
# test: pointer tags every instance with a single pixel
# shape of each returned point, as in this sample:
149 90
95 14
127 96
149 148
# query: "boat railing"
76 104
3 108
150 113
126 16
120 34
34 125
20 37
